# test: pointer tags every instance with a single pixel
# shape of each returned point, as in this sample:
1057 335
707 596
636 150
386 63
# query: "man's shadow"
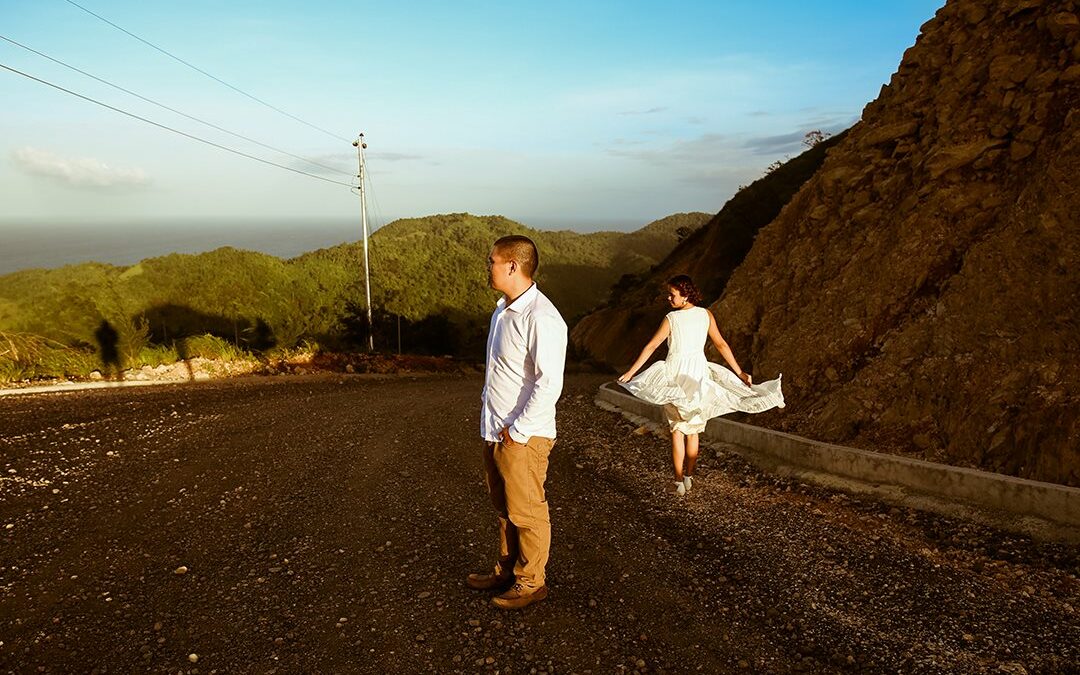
108 343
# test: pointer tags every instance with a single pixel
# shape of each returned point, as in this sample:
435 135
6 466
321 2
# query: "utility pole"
360 146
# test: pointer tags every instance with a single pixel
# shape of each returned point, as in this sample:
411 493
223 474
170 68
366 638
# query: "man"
526 352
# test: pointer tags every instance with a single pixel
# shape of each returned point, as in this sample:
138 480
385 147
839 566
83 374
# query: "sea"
50 245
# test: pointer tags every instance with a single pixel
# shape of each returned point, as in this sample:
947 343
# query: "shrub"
156 355
209 347
24 356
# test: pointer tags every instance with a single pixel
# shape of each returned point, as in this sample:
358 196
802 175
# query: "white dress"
691 388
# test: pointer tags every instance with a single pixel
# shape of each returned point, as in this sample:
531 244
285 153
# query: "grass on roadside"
24 356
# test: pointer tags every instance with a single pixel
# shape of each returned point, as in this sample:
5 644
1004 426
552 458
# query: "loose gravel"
326 524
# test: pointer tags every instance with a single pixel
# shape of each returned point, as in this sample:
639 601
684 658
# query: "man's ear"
513 266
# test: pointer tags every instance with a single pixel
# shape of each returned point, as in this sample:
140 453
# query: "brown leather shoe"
518 597
489 581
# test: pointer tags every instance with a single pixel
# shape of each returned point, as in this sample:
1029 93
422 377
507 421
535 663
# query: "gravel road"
325 524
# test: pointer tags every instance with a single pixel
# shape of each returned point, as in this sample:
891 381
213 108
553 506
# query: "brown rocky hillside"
921 293
614 334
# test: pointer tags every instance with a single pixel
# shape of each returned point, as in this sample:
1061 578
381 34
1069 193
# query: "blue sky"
554 114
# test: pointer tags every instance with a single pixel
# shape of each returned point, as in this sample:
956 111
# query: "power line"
170 109
375 198
175 131
212 77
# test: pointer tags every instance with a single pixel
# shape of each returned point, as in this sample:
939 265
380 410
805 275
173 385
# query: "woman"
691 389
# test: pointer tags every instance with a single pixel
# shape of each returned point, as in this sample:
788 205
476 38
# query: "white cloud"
81 172
650 111
706 149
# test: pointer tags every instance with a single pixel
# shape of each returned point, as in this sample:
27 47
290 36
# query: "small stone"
973 13
1030 134
194 658
423 595
640 663
1072 73
1020 150
181 570
1062 24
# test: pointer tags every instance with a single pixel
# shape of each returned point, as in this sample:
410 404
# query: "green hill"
423 269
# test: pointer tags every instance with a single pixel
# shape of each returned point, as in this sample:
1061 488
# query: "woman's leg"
678 452
691 453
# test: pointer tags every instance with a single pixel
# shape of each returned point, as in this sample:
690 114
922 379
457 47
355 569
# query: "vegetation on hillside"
428 276
614 333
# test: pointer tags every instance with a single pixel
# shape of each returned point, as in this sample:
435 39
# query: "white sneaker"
677 488
688 482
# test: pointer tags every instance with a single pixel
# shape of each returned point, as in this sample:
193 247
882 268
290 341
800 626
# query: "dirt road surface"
326 524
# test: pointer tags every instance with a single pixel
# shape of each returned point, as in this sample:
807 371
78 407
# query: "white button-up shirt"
526 353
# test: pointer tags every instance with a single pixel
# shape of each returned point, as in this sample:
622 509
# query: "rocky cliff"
921 292
614 334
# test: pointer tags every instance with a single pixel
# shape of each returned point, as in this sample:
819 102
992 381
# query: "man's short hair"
521 250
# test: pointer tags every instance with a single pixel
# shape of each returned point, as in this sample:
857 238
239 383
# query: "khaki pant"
515 475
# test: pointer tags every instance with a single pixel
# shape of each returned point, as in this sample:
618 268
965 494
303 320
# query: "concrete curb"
778 451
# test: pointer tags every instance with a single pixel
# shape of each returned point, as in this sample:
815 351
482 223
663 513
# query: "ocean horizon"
40 245
45 245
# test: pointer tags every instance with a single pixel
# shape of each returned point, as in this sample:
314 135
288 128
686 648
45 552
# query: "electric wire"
380 219
377 219
170 109
212 77
175 131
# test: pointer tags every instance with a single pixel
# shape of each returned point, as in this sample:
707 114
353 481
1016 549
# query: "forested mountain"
425 269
